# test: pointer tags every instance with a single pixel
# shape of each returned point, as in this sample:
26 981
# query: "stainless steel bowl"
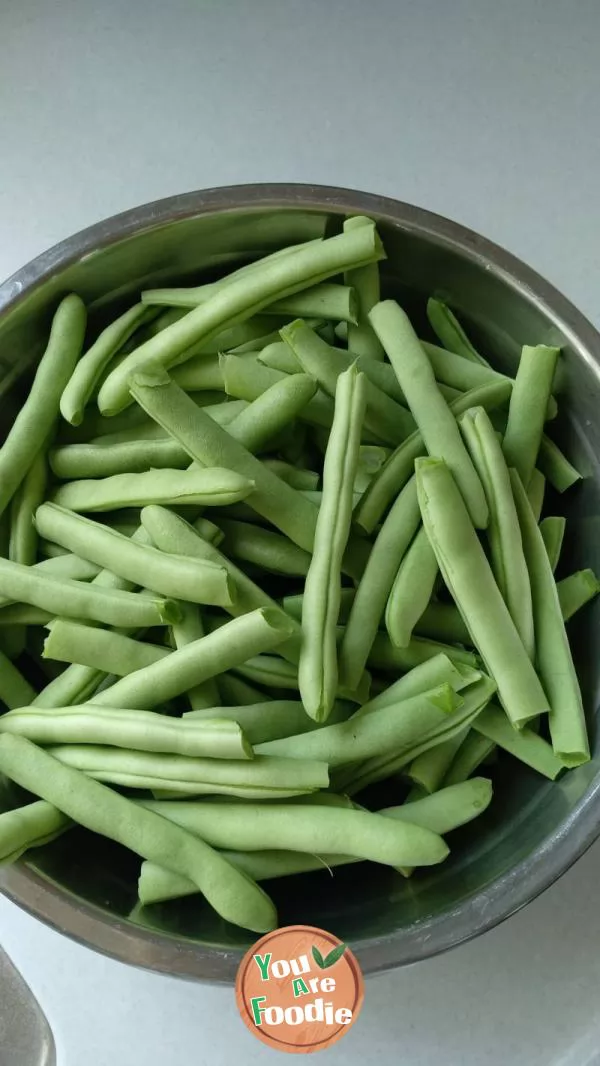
535 830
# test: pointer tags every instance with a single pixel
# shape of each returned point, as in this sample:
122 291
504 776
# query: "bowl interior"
366 905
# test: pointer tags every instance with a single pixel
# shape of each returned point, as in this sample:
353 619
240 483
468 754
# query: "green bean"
261 722
236 692
227 647
468 575
272 672
536 491
553 531
370 459
325 300
37 416
412 589
474 698
235 897
21 615
271 551
384 417
442 621
190 628
23 536
575 591
209 531
393 727
272 411
87 373
525 744
318 666
400 466
205 487
77 683
95 425
27 827
188 579
15 691
441 812
439 670
105 650
556 467
385 656
239 299
279 356
67 565
459 373
292 605
129 457
504 535
75 599
361 337
390 841
434 418
248 379
527 408
172 534
135 730
374 588
553 654
429 769
264 777
446 326
473 751
204 441
295 476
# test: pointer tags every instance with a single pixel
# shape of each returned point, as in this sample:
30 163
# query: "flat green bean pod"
552 529
15 691
524 744
446 326
22 547
576 590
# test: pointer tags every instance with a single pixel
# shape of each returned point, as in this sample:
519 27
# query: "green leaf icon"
332 958
316 954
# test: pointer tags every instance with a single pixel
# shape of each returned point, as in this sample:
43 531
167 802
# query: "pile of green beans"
278 577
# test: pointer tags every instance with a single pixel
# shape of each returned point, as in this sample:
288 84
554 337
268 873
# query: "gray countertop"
482 111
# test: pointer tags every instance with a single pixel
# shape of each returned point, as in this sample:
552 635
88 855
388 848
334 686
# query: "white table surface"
480 110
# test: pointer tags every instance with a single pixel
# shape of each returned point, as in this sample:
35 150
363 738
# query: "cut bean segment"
527 409
432 415
554 660
446 326
576 590
468 575
35 421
